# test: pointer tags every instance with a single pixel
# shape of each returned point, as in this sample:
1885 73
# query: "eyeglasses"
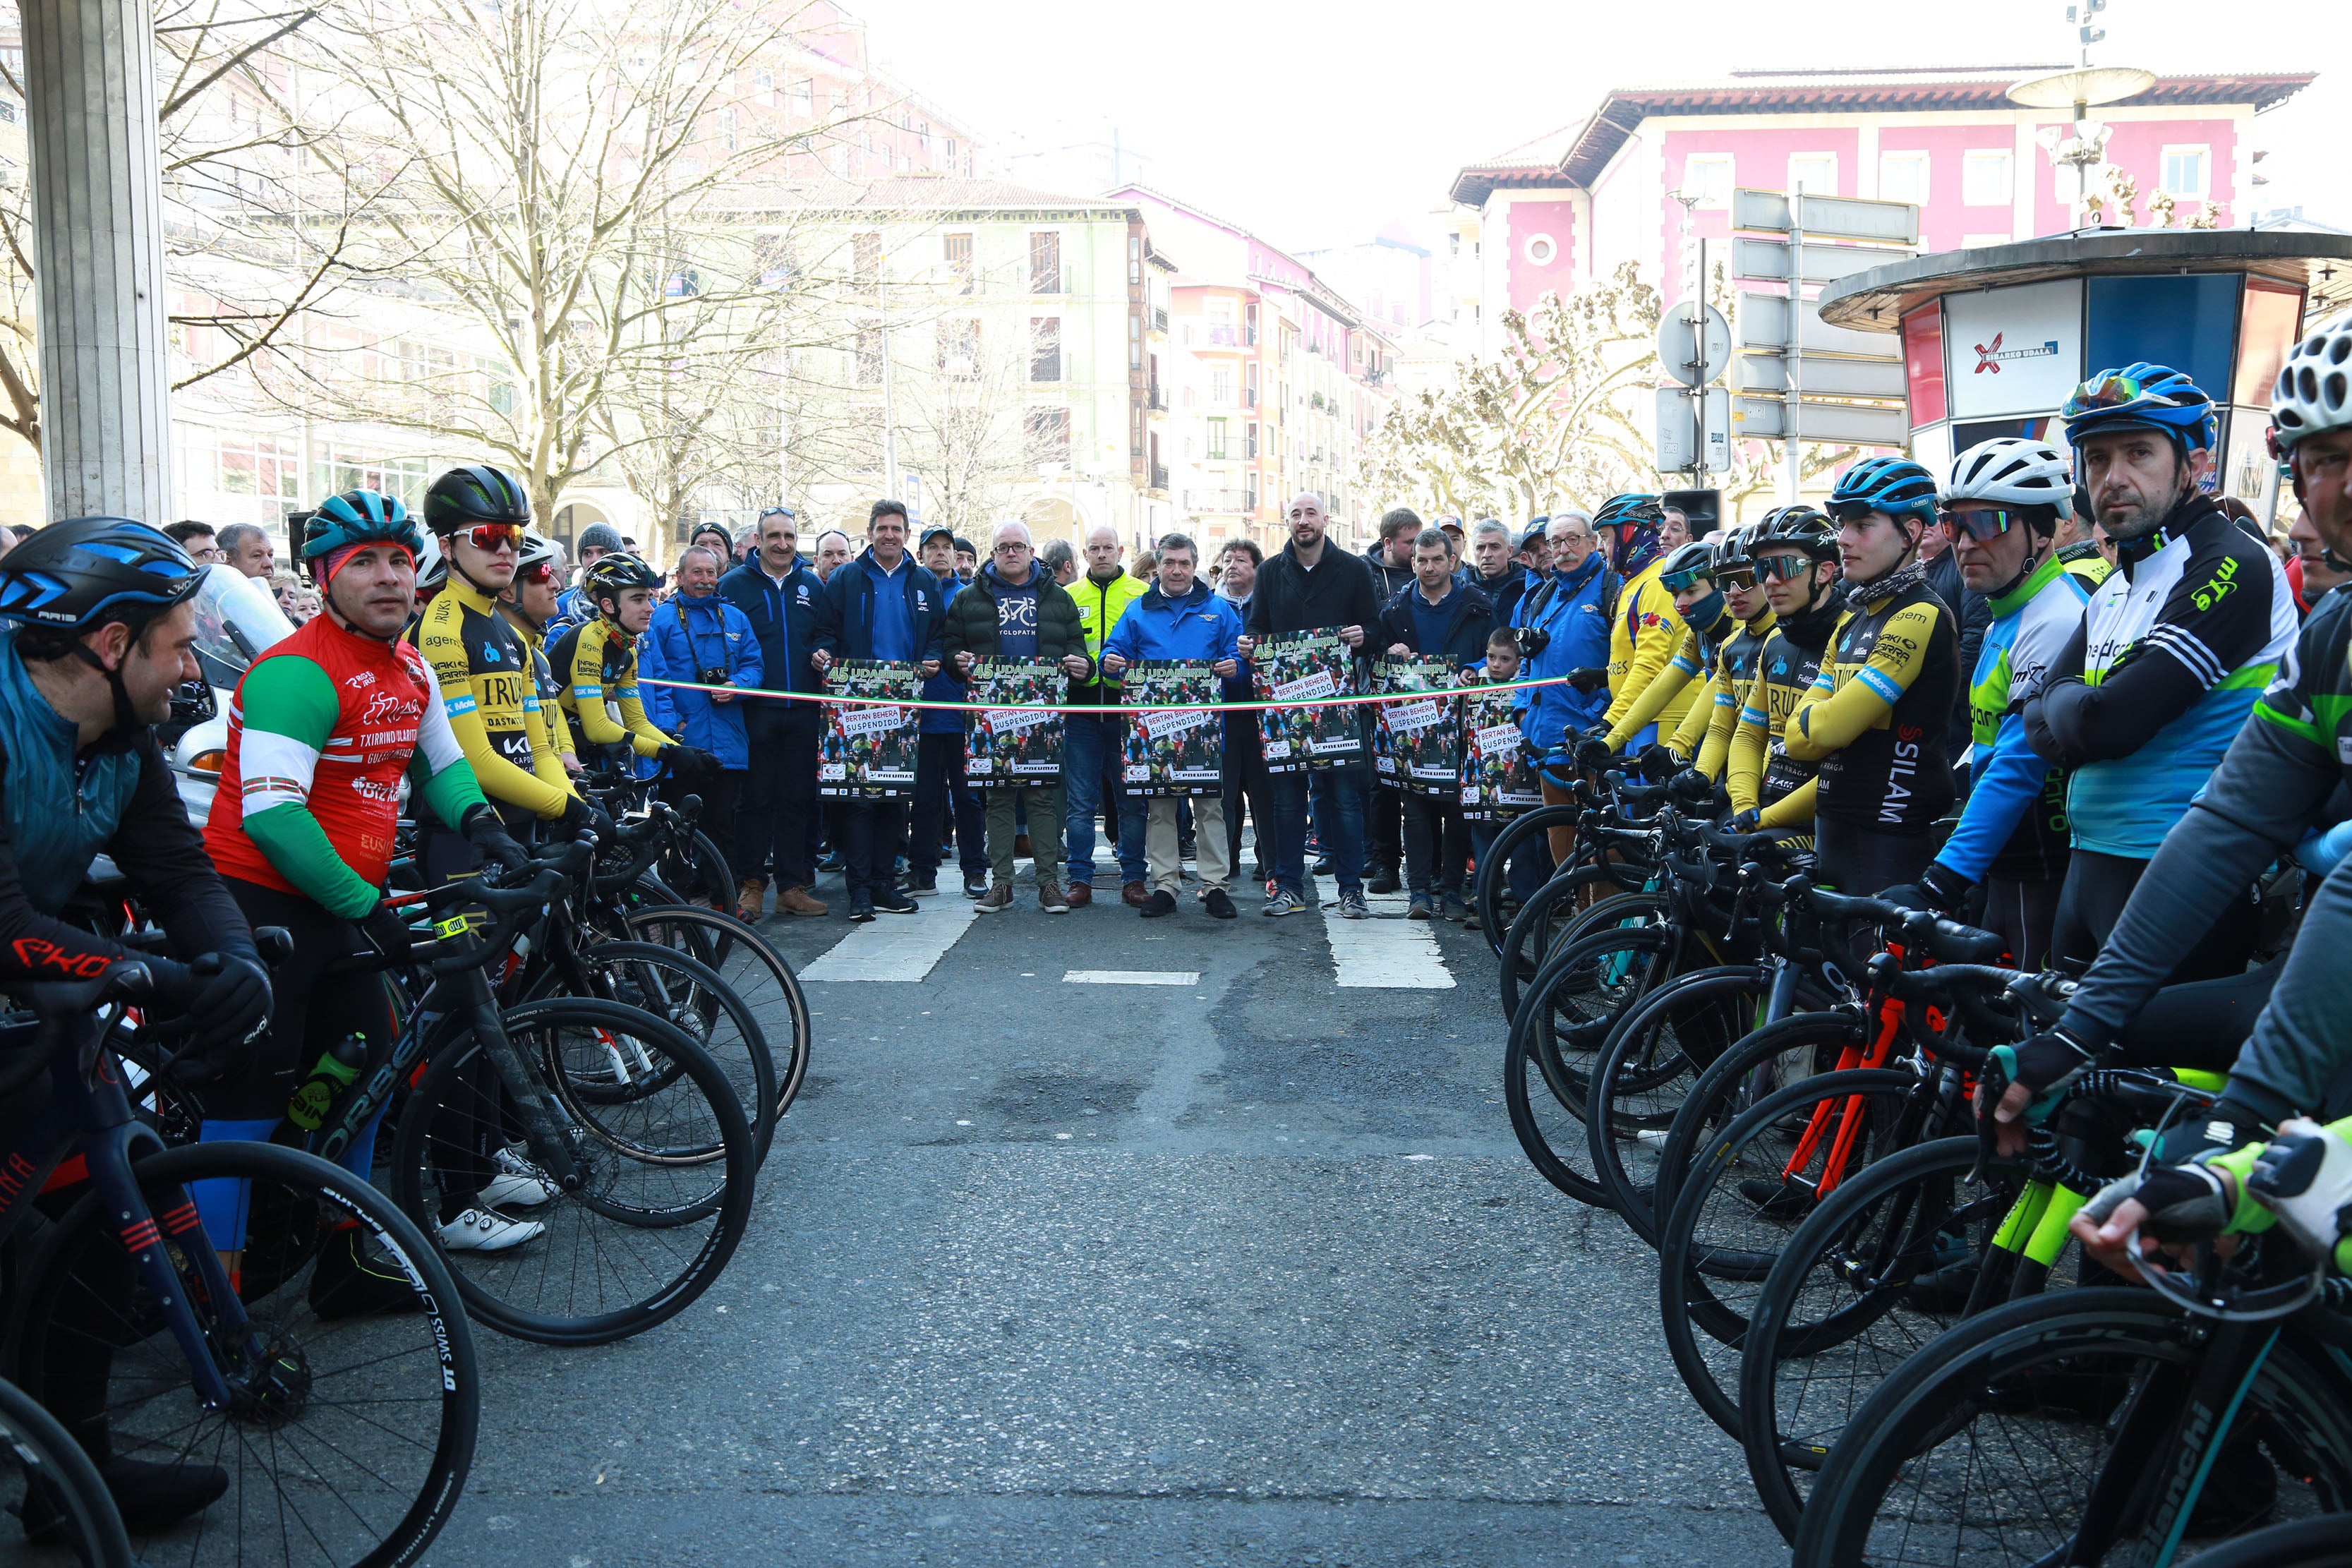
1782 568
489 536
1981 523
1677 582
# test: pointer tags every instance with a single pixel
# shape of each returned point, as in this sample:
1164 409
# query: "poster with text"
1016 736
1499 780
1301 667
1416 744
867 749
1177 746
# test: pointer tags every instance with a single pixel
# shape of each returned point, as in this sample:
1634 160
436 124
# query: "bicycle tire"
1531 937
703 876
1630 1069
1540 1078
749 962
49 1462
2322 1542
1785 1439
279 1248
748 1062
705 1203
2025 1362
1718 1088
1486 892
1700 1280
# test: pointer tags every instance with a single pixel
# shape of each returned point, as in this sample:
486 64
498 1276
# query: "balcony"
1160 319
1160 478
1234 503
1157 399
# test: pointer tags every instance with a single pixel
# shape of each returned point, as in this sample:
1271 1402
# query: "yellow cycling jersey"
598 663
493 700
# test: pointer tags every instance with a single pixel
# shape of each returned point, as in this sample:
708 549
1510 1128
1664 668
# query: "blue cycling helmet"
360 517
1637 510
1896 486
2142 397
82 574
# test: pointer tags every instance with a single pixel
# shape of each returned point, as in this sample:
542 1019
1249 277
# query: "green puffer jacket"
971 620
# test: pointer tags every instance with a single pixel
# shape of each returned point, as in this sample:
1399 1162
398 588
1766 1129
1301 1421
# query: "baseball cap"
936 530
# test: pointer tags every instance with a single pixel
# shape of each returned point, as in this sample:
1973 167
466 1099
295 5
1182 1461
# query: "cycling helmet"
2313 391
432 568
360 517
1896 486
536 552
2009 470
1805 528
1636 510
476 493
614 574
2142 397
1735 548
83 573
1688 566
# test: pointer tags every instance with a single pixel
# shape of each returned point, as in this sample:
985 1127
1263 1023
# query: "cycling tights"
2022 914
2097 887
1862 862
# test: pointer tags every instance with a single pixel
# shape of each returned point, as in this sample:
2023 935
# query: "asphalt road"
1242 1269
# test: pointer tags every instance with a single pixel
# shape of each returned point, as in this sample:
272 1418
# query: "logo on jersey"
389 707
1991 356
361 681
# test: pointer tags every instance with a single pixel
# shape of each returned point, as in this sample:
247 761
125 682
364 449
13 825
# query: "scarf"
1901 580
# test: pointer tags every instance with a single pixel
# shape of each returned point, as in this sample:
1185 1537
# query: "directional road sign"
1766 420
1831 217
1834 377
1763 323
1767 260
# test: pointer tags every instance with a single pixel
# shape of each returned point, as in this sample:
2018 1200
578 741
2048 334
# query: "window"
727 129
1044 347
869 356
1134 339
2185 172
1249 439
1135 429
1048 430
1540 250
1984 177
1220 386
1815 172
958 255
960 349
804 99
1219 312
1710 176
764 84
1902 177
1045 263
1249 491
1249 389
1249 324
951 151
1217 439
1134 260
866 261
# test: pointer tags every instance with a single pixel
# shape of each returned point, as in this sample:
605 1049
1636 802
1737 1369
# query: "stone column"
98 258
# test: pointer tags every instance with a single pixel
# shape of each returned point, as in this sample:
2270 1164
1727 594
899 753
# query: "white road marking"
899 948
1133 977
1385 954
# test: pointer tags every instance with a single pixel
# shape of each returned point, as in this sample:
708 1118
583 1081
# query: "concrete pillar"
97 259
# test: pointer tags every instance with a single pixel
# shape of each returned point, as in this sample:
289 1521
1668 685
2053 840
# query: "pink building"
1574 205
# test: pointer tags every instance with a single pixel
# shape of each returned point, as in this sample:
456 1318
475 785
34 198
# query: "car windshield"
236 620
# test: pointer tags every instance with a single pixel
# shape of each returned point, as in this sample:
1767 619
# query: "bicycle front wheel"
347 1433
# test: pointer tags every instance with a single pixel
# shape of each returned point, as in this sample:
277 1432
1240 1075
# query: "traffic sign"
1766 420
1763 323
1835 217
1834 377
1767 260
1678 430
1694 353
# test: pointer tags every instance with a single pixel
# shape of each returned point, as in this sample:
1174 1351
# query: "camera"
1533 641
714 677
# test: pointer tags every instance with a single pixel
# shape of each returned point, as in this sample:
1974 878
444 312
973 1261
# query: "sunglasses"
1849 510
539 572
489 536
1981 523
1741 576
1781 568
1677 582
2107 392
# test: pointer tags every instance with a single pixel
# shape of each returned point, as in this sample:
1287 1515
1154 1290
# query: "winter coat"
687 636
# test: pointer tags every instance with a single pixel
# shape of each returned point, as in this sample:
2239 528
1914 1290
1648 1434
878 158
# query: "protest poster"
1016 738
1417 744
1177 745
868 750
1300 668
1499 780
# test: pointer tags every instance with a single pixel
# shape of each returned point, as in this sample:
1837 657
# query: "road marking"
900 948
1133 977
1386 954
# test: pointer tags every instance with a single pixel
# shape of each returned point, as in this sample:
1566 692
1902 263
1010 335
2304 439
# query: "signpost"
1694 421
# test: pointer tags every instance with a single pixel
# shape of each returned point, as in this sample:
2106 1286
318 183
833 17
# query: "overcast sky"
1317 124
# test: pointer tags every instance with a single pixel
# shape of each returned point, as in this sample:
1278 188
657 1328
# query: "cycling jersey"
1704 738
598 663
1693 657
320 730
1875 718
1758 772
492 703
2173 650
1643 633
554 734
2085 565
2274 782
2014 825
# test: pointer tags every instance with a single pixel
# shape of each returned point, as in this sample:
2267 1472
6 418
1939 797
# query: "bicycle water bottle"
337 1067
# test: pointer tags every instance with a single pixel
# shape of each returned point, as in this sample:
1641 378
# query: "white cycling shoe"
520 1184
480 1230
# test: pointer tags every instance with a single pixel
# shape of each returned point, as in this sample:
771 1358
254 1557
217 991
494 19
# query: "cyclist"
98 634
2173 650
2003 502
597 664
1687 574
528 604
1736 659
1644 630
323 726
1876 716
1795 558
478 514
2275 782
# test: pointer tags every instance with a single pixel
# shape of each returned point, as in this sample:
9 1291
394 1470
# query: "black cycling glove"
387 928
1940 889
2184 1203
2047 1063
1594 753
1746 821
230 1007
485 831
691 765
1588 680
1657 761
584 816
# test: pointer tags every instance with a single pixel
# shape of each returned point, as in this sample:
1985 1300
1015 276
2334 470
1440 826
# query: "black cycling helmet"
475 493
1686 565
614 574
85 571
1806 527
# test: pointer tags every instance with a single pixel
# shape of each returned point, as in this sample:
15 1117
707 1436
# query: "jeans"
1338 821
777 811
1044 807
1433 830
1091 743
940 786
872 832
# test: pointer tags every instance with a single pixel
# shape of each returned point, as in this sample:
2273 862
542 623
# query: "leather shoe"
1162 903
1081 894
750 899
801 902
1134 894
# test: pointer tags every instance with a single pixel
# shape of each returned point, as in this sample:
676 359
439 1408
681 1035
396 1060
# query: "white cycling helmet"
535 551
2313 391
2012 471
432 567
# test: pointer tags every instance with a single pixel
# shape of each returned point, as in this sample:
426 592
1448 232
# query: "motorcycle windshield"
237 618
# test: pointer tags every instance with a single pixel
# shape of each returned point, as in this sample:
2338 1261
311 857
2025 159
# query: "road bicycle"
47 1481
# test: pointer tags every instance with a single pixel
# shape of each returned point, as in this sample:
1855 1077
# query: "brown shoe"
1135 895
996 900
1081 894
1053 900
750 899
798 901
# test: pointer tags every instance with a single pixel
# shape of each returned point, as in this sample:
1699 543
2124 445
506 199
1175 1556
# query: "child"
1532 865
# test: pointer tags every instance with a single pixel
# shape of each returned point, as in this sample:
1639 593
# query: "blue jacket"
1470 619
713 635
1575 614
1201 626
784 620
944 687
846 626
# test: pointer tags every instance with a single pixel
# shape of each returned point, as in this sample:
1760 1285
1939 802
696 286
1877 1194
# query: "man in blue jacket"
700 638
1439 617
1181 619
943 794
782 600
880 605
1564 621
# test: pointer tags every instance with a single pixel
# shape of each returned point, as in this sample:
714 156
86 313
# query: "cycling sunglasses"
1849 510
538 571
1677 582
1983 523
489 536
1743 576
2107 392
1782 568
